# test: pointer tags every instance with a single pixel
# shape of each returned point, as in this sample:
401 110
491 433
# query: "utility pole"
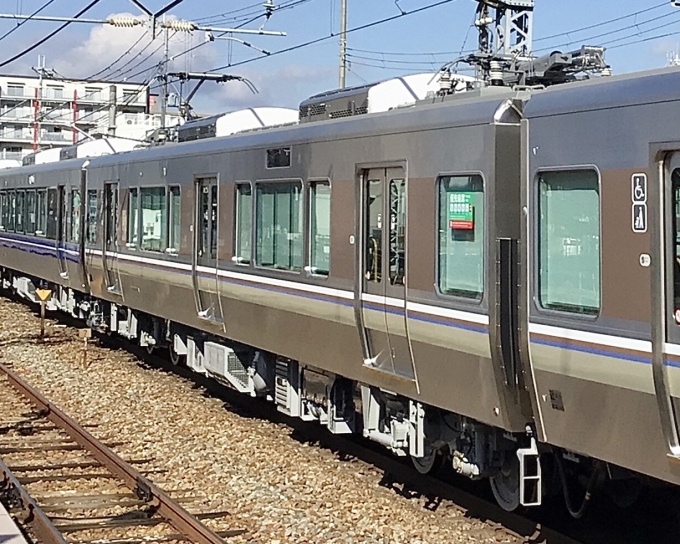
164 77
343 43
112 110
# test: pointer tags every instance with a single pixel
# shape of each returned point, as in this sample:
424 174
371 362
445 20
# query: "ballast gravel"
279 489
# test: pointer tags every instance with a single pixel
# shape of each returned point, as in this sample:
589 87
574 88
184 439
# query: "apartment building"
41 113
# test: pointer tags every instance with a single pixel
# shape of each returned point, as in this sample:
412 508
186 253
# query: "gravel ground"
280 489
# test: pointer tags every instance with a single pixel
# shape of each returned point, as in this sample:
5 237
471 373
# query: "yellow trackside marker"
43 295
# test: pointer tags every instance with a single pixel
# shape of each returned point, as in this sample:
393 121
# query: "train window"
397 231
174 219
19 225
153 210
75 216
30 212
278 158
92 216
374 213
133 217
279 225
461 236
569 241
3 210
41 206
319 227
52 213
244 222
12 206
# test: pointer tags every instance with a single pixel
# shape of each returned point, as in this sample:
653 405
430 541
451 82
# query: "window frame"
129 243
311 182
27 211
535 241
92 228
257 183
469 301
235 257
4 203
41 192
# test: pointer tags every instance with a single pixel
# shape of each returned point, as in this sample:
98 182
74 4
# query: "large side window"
461 236
19 224
153 211
30 212
133 217
52 213
174 219
279 225
569 241
244 222
75 216
319 227
92 216
41 206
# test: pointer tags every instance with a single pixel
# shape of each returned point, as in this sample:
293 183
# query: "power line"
50 35
324 38
111 65
649 39
26 20
596 25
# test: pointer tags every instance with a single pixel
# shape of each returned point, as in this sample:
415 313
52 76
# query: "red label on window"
461 225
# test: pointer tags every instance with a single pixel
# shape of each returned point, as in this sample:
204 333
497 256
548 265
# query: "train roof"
653 86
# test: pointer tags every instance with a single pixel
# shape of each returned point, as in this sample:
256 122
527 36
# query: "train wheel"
505 484
175 358
431 462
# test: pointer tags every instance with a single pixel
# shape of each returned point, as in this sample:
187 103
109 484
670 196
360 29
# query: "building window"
41 227
30 212
54 91
174 215
153 218
133 217
461 236
15 89
279 225
319 227
569 241
93 94
75 216
92 216
244 222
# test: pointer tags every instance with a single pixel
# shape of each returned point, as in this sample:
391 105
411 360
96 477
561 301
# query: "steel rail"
33 515
173 513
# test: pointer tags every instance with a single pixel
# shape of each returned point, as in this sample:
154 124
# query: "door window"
374 226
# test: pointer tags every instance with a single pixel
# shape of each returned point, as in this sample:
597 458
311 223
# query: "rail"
171 512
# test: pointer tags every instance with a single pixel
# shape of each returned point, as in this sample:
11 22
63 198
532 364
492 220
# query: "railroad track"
45 433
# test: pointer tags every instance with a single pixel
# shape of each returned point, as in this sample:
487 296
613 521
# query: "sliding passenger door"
383 283
110 248
61 231
205 249
665 293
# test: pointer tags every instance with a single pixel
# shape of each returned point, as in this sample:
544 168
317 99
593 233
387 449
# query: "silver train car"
488 278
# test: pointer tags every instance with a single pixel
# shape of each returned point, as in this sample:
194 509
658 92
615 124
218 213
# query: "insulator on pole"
125 21
179 25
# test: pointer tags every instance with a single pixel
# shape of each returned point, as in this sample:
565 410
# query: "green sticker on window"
461 211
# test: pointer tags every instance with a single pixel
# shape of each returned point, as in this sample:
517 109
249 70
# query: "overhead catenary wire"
127 52
324 38
36 12
50 35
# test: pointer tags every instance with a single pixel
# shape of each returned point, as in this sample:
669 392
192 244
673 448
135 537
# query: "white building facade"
42 113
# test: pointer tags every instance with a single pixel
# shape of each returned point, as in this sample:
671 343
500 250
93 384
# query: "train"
486 277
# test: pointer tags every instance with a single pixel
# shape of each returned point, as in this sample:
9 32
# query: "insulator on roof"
179 25
126 21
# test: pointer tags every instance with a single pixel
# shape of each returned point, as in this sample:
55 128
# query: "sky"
411 42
